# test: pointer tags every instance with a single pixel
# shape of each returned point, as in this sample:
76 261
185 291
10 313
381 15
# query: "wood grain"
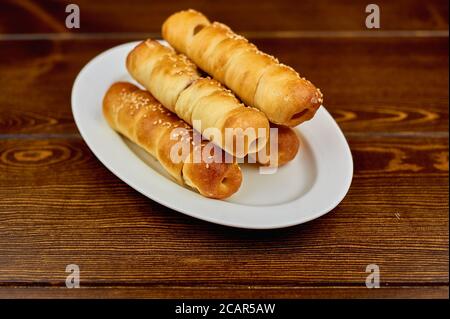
387 89
244 16
224 292
369 84
61 206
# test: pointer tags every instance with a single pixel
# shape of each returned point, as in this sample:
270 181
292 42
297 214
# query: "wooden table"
387 88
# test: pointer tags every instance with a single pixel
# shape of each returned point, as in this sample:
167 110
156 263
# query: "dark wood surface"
251 16
389 93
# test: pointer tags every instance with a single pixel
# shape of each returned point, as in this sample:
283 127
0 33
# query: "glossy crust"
202 102
137 115
183 28
288 147
257 78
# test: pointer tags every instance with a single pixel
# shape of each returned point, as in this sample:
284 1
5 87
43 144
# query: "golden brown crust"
300 99
137 115
238 120
186 23
202 102
257 78
164 73
288 147
212 179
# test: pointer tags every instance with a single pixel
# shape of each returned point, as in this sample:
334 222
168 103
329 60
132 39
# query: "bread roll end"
213 180
242 121
180 28
288 147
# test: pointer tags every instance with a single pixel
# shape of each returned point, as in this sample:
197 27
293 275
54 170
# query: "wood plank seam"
111 284
248 34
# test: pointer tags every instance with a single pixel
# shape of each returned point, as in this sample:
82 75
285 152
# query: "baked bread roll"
257 78
137 115
288 145
202 102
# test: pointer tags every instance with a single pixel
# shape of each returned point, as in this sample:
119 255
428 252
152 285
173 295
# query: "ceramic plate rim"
196 205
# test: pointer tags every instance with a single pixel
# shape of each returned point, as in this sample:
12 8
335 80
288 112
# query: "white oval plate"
306 188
